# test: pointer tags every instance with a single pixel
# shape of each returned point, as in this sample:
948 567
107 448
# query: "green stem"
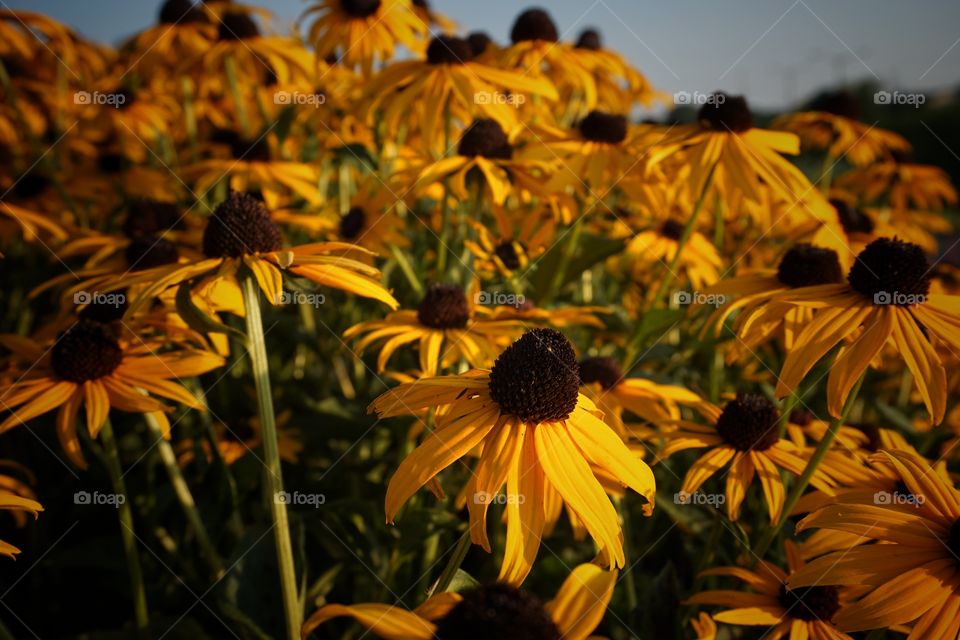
112 459
456 559
825 442
788 406
407 269
826 174
182 490
682 242
443 237
273 481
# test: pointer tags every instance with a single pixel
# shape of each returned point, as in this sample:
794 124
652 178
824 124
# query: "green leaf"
591 250
462 581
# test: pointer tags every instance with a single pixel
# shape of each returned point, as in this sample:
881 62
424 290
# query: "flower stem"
112 460
569 248
182 490
273 481
456 559
230 69
825 443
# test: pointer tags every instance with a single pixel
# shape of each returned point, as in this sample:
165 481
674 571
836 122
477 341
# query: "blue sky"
774 51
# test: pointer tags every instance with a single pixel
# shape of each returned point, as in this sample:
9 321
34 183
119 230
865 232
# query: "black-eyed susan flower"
885 299
745 161
491 611
536 430
520 237
902 185
88 368
362 32
449 83
448 325
744 435
757 295
795 613
485 153
619 85
182 29
911 572
655 248
603 381
240 233
832 123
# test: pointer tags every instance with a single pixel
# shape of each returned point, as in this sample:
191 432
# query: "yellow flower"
911 573
496 610
885 299
536 432
88 367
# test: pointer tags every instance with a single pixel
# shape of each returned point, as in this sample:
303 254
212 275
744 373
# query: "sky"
776 52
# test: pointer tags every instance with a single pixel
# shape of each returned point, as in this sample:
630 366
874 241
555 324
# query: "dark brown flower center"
602 369
352 223
31 185
112 163
240 226
85 351
839 103
537 378
237 26
478 41
590 39
146 252
726 113
105 309
802 417
810 603
609 128
485 138
851 218
149 217
891 271
672 229
444 307
180 12
534 24
448 50
749 423
872 431
360 8
250 150
953 540
497 611
508 254
805 265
